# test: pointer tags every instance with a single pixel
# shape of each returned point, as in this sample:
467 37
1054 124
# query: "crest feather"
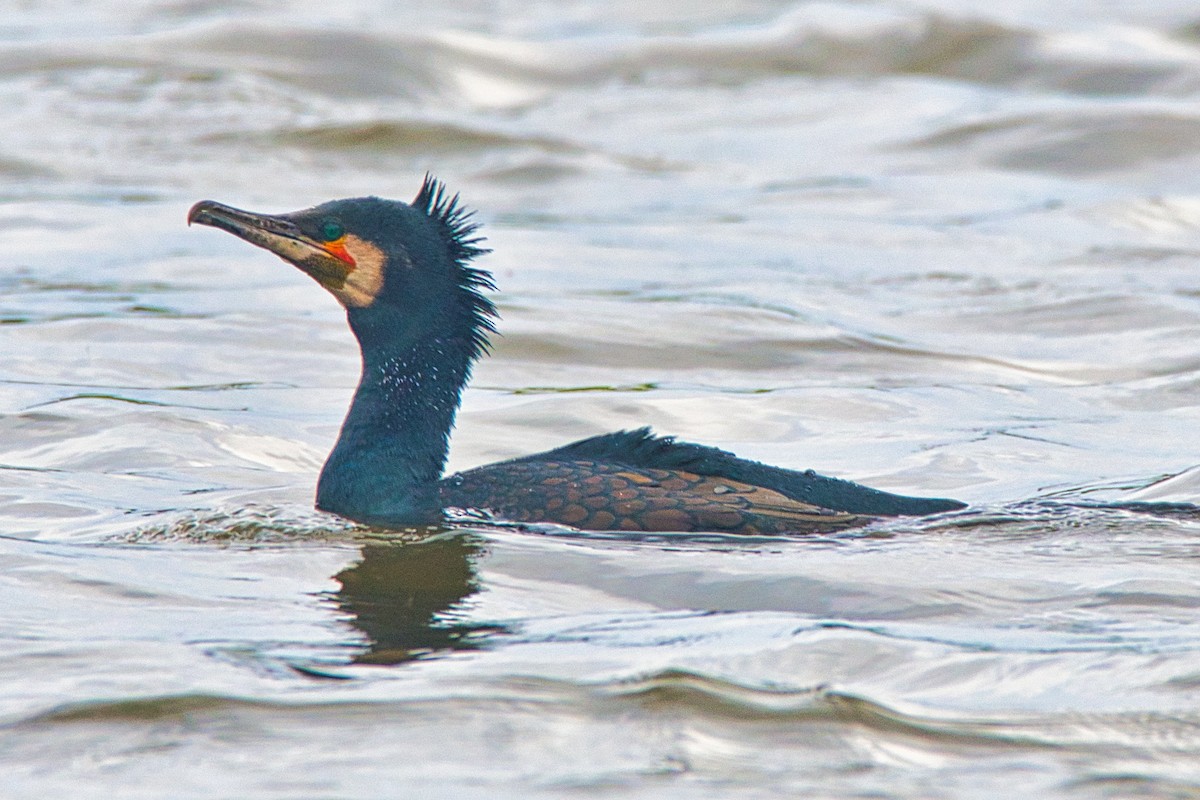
460 232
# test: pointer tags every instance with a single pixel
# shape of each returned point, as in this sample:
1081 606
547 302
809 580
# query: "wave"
253 524
673 692
488 70
417 136
1067 105
1078 142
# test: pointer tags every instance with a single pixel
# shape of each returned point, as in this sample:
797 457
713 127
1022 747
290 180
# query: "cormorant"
416 303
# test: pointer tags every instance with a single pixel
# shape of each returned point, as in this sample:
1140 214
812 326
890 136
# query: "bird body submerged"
417 308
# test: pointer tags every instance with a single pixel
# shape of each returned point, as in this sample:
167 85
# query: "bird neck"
392 448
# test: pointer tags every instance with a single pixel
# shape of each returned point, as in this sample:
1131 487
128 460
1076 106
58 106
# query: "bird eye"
332 230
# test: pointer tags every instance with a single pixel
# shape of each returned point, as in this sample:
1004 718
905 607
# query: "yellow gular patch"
364 280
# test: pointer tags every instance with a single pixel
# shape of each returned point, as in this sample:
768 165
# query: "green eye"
332 230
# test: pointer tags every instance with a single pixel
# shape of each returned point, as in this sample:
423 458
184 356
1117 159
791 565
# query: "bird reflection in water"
408 598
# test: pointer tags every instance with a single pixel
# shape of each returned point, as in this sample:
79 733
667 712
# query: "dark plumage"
416 305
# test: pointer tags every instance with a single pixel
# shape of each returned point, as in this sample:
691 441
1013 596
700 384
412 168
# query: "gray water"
944 248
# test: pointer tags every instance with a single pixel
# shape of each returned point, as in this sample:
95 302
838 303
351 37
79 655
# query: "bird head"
382 259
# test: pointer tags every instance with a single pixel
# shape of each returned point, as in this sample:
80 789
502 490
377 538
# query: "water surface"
943 248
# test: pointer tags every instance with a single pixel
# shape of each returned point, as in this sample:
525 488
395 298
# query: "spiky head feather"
459 231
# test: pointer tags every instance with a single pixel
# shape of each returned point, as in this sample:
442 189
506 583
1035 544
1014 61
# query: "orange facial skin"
337 249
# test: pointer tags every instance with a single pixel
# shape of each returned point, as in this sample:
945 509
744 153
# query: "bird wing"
643 449
594 495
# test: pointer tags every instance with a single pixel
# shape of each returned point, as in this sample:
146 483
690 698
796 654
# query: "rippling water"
942 247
